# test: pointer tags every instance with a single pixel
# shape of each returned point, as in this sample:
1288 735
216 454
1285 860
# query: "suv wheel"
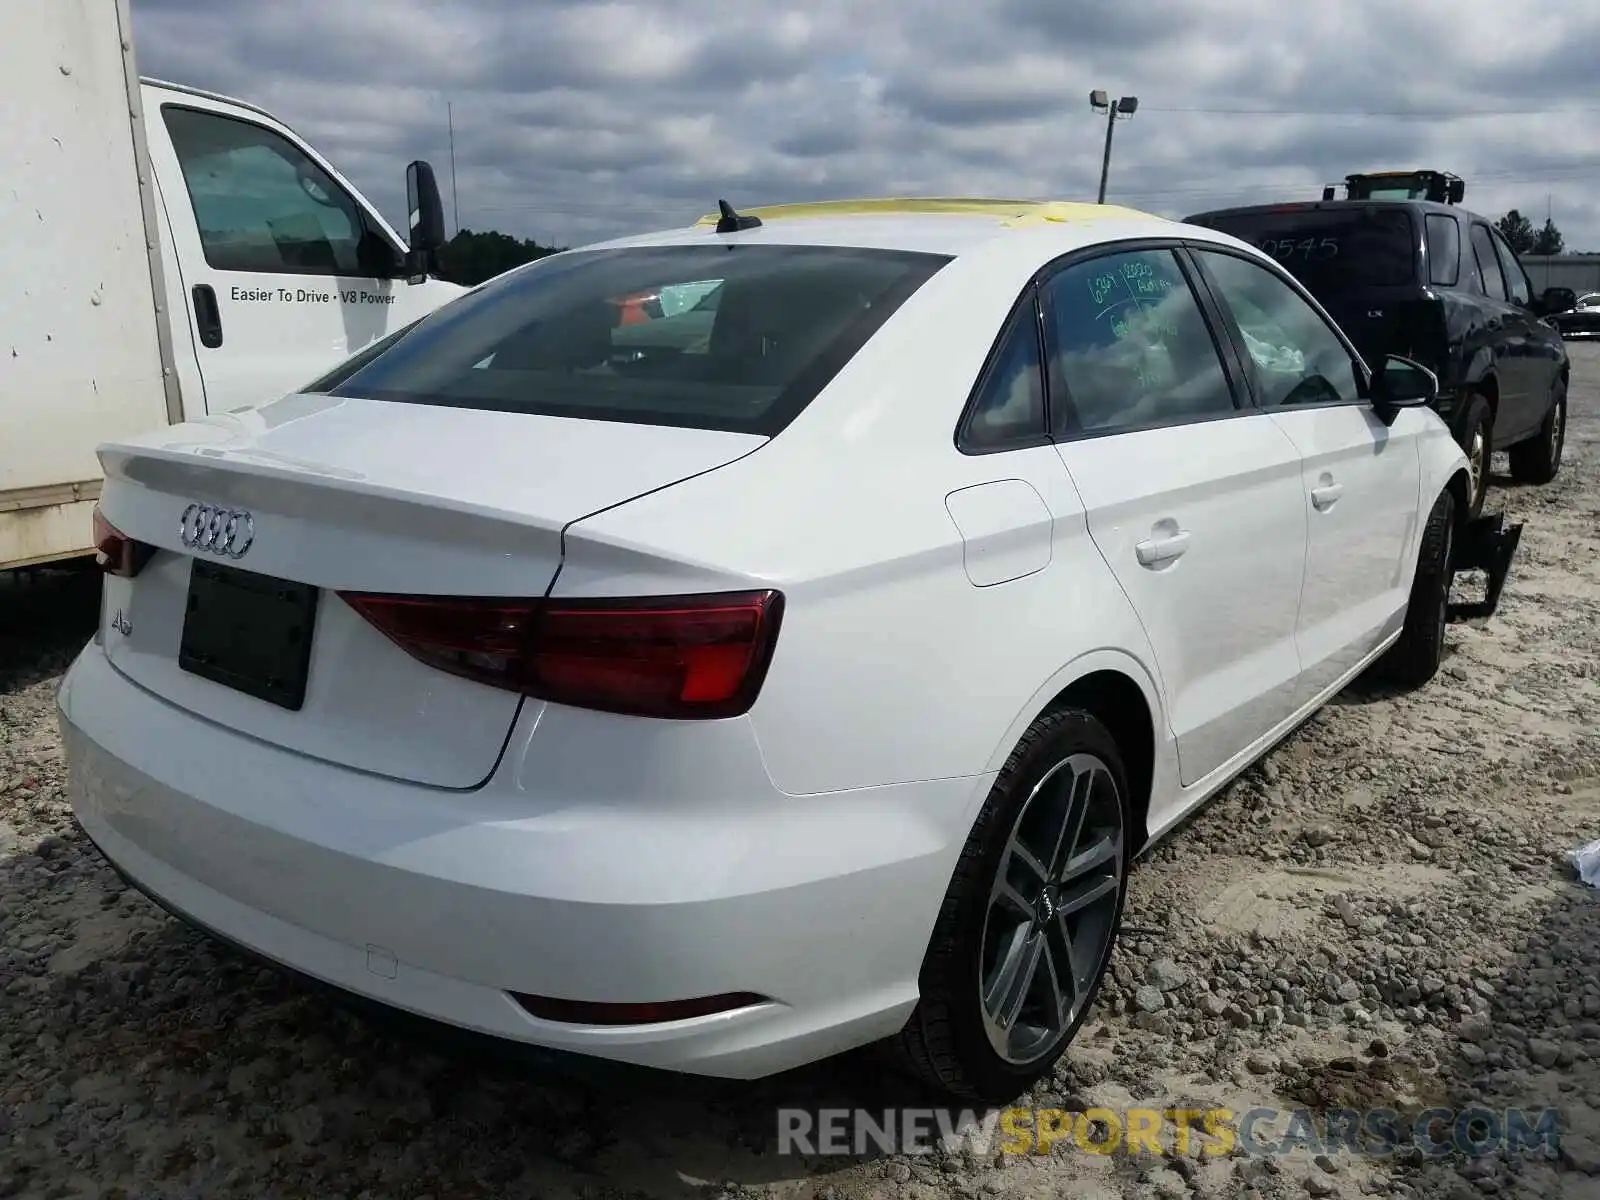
1025 933
1539 458
1477 443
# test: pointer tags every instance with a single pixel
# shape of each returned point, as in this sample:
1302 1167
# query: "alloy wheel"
1446 552
1052 909
1558 429
1477 464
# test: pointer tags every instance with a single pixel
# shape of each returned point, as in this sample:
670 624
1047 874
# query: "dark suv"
1437 284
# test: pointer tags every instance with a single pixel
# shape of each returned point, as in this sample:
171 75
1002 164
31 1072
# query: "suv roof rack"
1441 187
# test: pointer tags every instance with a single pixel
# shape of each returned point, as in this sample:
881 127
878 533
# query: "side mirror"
426 212
1557 300
1402 383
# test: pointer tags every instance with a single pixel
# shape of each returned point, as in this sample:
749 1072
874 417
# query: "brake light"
684 657
115 552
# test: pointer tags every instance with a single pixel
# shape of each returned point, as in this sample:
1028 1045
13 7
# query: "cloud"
578 121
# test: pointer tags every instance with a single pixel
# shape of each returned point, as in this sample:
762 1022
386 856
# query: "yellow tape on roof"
1013 213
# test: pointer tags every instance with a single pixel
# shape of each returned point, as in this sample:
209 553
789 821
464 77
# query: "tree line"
473 256
1522 237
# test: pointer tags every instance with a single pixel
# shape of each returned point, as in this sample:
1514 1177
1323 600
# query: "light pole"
1125 106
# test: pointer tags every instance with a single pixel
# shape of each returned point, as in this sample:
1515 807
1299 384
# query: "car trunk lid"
325 494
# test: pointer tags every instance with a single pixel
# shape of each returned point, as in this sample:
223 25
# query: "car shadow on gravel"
152 1055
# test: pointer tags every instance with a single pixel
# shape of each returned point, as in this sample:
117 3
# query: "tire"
1477 442
1415 657
1538 459
953 1040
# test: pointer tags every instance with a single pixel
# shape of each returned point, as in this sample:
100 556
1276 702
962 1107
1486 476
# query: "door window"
1008 407
262 205
1130 347
1516 280
1444 250
1494 283
1295 354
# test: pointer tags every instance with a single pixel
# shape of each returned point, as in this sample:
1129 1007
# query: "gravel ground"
1377 916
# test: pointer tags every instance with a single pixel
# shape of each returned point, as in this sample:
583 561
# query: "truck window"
261 203
1444 250
1516 280
1494 283
1331 250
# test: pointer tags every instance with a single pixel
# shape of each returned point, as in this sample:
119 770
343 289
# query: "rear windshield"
1331 250
728 337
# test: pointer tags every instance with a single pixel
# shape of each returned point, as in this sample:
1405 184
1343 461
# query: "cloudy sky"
578 121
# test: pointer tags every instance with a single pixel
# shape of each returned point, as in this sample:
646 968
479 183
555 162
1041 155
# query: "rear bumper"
443 903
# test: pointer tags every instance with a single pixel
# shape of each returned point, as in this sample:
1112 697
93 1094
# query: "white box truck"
167 252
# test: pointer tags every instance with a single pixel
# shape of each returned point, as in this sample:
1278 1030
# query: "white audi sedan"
797 668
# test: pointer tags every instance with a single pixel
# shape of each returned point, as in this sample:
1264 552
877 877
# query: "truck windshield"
1331 250
711 336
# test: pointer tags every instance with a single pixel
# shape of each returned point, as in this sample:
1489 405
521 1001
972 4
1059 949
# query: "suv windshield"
727 337
1330 250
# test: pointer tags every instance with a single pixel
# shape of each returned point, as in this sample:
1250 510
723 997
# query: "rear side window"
1444 250
1494 283
1331 250
710 336
1008 408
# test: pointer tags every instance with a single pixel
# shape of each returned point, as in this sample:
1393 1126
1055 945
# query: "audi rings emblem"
211 530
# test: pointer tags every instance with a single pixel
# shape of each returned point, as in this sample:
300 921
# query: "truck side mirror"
426 214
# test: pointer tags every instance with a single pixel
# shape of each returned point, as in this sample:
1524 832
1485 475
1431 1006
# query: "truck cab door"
285 269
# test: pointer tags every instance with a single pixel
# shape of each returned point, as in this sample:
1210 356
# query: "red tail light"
685 657
116 552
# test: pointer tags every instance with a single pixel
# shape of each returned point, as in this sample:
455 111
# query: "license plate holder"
249 632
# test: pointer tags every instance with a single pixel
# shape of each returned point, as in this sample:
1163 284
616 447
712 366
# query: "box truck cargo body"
168 252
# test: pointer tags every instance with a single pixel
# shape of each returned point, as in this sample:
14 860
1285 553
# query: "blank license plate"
249 632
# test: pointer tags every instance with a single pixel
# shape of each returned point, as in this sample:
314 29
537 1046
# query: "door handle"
1154 551
207 317
1326 496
